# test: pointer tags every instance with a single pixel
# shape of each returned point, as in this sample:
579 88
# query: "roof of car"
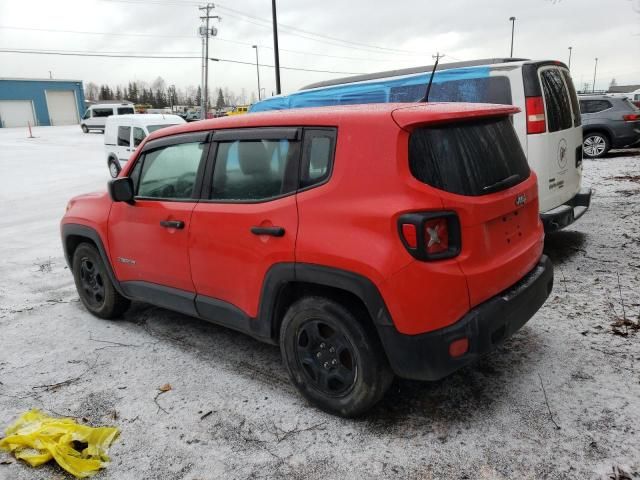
335 115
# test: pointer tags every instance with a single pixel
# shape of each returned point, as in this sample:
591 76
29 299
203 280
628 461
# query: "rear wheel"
114 167
94 286
85 129
333 359
595 145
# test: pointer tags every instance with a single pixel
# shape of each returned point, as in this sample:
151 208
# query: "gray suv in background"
608 122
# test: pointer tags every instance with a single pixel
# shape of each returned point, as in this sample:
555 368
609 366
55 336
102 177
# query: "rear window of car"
480 90
468 158
573 97
556 99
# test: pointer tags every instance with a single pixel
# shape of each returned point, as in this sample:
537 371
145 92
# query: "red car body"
345 234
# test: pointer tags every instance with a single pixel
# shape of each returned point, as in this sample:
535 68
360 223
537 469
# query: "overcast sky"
367 35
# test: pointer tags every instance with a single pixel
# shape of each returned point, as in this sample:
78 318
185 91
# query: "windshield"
153 128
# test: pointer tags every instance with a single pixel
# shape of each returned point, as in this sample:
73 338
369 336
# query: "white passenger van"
548 126
123 134
96 115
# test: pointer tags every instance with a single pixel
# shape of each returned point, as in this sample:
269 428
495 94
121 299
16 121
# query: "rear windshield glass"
479 90
556 99
468 158
573 96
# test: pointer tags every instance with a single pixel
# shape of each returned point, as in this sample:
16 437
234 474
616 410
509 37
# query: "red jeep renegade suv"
366 241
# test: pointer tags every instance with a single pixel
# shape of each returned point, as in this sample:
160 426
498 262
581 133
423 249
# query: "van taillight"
536 122
430 235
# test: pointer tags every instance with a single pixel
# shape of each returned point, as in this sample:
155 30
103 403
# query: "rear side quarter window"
318 153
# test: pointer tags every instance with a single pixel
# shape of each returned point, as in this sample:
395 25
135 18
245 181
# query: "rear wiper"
502 184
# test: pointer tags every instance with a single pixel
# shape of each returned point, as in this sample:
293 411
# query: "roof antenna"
437 58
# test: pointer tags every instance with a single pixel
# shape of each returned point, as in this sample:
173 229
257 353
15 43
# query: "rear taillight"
430 235
536 122
632 117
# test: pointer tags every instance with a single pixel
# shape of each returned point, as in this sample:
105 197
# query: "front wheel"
114 167
595 145
94 286
335 361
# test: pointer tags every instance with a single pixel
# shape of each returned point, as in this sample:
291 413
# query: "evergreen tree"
220 101
198 98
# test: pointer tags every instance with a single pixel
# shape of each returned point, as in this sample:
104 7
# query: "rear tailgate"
481 173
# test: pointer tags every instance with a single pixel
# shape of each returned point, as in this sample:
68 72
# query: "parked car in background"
124 133
608 121
366 241
193 115
548 124
96 115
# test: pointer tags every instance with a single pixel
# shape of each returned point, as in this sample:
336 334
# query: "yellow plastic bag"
37 438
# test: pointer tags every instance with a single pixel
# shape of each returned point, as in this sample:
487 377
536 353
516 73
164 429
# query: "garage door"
62 107
16 113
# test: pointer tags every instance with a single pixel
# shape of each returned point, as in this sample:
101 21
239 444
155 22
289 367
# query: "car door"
246 221
148 239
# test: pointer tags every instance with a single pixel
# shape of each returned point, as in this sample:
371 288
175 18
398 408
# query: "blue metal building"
43 102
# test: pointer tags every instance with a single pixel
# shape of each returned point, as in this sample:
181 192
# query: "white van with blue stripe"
548 126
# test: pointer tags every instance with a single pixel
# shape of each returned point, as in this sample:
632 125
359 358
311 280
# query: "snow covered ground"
561 399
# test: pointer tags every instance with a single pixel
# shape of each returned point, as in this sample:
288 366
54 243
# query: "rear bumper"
426 356
564 215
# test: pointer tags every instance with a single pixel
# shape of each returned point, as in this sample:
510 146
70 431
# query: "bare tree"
91 91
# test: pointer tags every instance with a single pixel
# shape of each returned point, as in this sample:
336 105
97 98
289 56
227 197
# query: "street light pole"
275 44
206 32
257 71
513 27
595 69
570 48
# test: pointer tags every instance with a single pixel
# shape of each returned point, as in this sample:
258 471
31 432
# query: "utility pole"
275 44
513 27
257 71
595 69
205 32
570 48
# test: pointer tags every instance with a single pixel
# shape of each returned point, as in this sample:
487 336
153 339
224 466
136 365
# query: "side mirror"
121 190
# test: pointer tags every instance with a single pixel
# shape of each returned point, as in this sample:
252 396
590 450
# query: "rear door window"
594 106
573 97
254 170
468 158
125 110
556 99
124 136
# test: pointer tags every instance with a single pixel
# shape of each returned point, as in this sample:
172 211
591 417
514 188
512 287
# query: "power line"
237 42
161 57
232 12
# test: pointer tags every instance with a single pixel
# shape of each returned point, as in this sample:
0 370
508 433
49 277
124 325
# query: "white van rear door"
556 154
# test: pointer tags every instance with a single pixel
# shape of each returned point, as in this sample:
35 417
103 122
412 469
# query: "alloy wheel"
594 145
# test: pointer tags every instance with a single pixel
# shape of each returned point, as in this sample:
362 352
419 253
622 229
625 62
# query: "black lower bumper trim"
564 215
426 356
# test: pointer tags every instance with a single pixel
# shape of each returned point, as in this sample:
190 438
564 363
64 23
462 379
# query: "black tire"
336 361
94 286
595 144
85 129
114 167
